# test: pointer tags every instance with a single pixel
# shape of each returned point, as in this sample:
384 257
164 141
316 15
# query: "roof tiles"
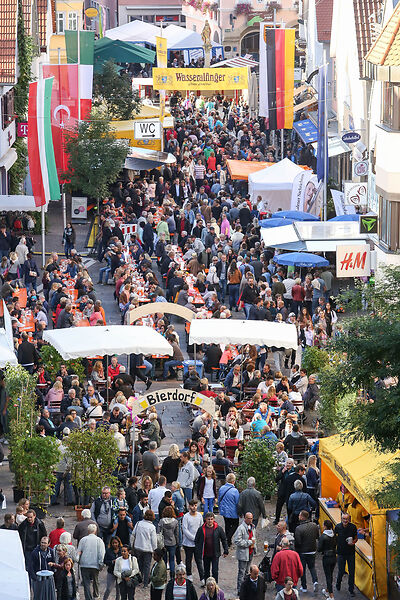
324 11
386 50
8 41
365 13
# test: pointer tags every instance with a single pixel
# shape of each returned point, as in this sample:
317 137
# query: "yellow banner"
200 79
162 56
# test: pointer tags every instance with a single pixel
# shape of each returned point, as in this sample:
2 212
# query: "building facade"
166 11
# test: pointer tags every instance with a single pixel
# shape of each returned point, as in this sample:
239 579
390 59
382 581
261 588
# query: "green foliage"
113 92
258 462
17 171
21 95
20 388
93 458
95 156
52 361
314 359
39 459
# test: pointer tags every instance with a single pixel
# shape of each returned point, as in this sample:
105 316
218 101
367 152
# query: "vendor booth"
240 170
274 184
13 575
361 470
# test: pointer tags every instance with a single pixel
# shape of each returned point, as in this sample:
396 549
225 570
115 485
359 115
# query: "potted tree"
52 360
22 411
93 458
258 462
39 459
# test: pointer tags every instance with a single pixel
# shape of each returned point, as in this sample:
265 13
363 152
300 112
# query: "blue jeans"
247 307
222 292
168 364
69 494
208 505
67 248
148 366
188 493
171 559
233 290
104 271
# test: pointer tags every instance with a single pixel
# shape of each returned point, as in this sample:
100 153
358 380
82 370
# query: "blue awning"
306 130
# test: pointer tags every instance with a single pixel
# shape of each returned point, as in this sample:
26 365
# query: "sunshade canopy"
274 184
22 203
7 355
267 223
233 331
76 342
296 215
353 217
313 236
120 51
179 38
13 576
135 31
241 169
301 259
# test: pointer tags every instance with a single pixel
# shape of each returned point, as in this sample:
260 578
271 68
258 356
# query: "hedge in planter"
52 361
93 458
258 462
39 459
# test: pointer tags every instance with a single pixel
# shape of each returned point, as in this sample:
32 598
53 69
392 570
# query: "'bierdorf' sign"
173 395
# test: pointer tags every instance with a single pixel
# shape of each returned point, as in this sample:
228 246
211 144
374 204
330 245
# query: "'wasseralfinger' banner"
200 79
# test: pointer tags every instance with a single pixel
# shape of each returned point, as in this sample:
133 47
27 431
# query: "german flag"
277 81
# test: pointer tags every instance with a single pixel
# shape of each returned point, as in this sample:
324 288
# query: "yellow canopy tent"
361 469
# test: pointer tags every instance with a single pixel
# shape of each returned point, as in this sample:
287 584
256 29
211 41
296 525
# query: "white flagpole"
79 82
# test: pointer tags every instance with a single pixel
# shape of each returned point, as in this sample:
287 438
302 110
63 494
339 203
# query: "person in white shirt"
155 497
191 522
123 565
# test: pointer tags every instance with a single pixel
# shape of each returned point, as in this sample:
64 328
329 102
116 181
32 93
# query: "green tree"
113 92
93 458
258 462
95 156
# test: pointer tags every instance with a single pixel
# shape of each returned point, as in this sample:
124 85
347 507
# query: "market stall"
13 575
240 170
233 331
107 340
274 184
361 469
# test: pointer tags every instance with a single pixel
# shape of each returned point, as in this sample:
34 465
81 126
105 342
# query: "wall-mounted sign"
355 194
360 169
175 395
369 224
91 12
147 130
351 137
22 129
353 261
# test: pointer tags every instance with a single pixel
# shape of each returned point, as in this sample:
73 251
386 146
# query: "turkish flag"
64 108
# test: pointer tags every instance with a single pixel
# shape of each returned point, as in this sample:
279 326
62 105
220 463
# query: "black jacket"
170 468
63 587
327 545
306 535
191 593
39 529
219 538
27 353
249 592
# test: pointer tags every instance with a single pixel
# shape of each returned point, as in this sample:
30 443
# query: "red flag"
64 107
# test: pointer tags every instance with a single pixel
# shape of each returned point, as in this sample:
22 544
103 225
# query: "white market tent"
233 331
7 354
274 184
179 38
22 203
13 576
135 31
313 236
78 342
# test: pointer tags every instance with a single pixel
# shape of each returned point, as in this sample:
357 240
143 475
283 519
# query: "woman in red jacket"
298 295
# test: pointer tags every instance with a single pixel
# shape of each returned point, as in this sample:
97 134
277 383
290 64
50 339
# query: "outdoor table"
22 296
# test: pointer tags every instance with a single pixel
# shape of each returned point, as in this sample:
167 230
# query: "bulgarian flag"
86 59
42 164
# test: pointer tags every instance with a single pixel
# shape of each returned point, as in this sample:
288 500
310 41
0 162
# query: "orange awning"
241 169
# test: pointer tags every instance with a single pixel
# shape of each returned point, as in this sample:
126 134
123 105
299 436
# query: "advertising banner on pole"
200 79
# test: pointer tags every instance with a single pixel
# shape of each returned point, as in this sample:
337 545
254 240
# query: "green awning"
105 49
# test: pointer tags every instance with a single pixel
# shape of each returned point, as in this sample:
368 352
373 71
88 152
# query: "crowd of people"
196 243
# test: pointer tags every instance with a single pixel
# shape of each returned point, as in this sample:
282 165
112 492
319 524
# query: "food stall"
361 469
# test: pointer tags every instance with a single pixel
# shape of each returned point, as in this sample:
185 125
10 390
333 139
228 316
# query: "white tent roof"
135 31
13 576
277 177
77 342
179 38
234 331
274 184
23 203
7 354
